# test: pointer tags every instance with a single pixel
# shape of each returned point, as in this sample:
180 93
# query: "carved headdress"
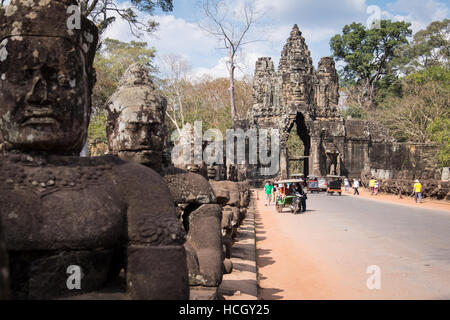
48 18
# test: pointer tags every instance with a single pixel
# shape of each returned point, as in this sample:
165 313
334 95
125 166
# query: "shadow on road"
271 294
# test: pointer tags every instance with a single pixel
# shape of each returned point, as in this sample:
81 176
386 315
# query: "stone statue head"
46 77
136 114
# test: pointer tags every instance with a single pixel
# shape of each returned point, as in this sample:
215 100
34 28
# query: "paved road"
325 253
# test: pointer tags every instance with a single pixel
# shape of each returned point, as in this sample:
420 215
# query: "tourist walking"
268 190
372 186
274 193
346 184
417 191
355 187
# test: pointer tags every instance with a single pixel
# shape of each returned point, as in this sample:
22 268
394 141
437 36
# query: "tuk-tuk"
334 185
284 200
313 184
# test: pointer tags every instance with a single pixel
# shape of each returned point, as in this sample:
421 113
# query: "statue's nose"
38 93
145 136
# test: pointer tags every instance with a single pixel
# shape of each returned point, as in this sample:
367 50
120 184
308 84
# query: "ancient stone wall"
297 93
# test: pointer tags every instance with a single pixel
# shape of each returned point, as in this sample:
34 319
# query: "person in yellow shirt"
372 186
418 191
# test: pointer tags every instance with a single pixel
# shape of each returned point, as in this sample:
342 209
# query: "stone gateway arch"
297 93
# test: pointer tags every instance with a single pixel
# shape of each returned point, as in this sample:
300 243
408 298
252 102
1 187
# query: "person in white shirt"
355 186
346 184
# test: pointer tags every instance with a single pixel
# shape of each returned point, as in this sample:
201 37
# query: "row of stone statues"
115 218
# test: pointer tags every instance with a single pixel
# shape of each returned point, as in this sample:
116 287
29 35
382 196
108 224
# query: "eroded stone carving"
234 198
136 112
136 132
187 153
59 209
201 217
4 268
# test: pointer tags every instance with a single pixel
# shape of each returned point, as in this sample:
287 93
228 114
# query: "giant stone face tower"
297 93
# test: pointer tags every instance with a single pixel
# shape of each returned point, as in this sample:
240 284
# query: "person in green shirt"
268 190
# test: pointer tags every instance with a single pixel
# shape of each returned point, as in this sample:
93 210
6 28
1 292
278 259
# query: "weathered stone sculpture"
185 156
133 110
234 198
4 268
136 113
327 89
201 217
296 72
59 210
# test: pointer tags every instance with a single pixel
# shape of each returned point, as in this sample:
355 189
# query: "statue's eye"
133 127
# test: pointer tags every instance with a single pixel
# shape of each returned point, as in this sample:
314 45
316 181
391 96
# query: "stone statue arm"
205 239
156 258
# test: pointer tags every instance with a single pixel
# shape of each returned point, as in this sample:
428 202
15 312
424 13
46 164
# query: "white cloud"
424 10
217 71
314 12
420 13
178 36
175 34
318 20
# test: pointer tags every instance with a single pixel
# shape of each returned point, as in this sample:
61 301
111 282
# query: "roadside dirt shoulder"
406 200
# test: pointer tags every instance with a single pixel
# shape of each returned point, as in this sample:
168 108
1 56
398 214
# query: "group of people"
274 191
374 186
355 186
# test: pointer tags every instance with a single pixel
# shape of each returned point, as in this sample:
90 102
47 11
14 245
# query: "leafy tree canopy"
430 47
366 53
104 13
111 61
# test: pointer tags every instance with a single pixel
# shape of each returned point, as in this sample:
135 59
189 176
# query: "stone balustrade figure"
60 212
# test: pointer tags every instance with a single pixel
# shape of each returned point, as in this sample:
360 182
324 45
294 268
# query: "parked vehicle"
334 185
313 185
323 184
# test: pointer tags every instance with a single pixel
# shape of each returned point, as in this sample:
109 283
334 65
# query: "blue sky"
319 20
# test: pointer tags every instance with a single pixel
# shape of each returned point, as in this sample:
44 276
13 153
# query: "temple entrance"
298 147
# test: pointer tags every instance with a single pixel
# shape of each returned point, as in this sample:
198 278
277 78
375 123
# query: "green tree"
205 99
429 47
111 61
296 149
97 128
367 54
425 99
439 131
104 12
353 111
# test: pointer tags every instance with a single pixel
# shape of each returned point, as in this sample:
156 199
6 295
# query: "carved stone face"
44 94
138 137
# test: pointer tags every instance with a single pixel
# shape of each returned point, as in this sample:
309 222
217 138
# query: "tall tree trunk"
232 100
